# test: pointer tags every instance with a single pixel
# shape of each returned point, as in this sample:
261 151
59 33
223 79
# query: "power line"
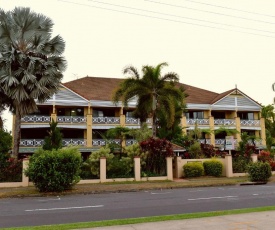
210 12
173 15
164 19
229 8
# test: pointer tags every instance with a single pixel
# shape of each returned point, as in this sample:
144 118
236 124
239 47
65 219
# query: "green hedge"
193 169
213 167
259 171
55 170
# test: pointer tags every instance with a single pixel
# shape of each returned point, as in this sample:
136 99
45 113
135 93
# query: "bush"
193 169
240 164
55 170
10 169
213 168
94 160
259 171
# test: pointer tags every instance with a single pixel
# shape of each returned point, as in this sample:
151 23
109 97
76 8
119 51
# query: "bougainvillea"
158 150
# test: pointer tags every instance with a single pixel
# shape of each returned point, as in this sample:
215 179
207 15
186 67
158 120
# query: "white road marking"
215 197
255 194
159 193
49 199
66 208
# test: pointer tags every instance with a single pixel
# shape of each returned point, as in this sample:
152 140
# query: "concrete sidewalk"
247 221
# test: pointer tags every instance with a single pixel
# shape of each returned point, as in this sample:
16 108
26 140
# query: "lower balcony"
40 142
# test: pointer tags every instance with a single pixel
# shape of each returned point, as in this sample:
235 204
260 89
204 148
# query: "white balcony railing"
227 122
252 123
74 142
136 121
130 142
103 142
40 142
36 119
71 119
31 142
106 120
198 121
205 141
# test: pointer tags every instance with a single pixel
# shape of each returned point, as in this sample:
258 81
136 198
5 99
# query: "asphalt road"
81 208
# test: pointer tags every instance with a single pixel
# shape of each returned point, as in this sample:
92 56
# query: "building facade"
84 111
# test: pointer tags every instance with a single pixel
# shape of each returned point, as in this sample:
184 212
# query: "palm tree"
31 64
154 93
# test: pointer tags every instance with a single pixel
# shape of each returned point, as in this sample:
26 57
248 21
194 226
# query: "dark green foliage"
120 168
54 140
240 164
56 170
193 169
5 142
10 169
158 150
213 168
259 171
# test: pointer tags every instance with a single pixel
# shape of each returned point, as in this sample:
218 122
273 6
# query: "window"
194 115
246 115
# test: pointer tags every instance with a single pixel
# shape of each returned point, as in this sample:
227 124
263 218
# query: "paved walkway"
248 221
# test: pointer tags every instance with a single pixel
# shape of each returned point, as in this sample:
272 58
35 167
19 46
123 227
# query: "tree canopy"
155 93
31 64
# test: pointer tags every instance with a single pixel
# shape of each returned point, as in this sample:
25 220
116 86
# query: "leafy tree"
269 116
154 93
141 134
31 64
5 141
54 139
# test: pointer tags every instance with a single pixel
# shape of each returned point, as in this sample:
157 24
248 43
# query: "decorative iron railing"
253 123
71 119
136 121
130 142
229 122
102 142
106 120
222 141
74 142
31 142
36 119
255 142
40 142
198 121
205 141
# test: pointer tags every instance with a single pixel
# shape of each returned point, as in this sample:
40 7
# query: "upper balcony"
36 119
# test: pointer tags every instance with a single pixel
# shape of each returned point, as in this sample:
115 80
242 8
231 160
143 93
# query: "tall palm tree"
154 92
31 64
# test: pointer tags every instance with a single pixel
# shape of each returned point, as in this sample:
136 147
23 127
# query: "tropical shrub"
157 151
213 167
10 169
239 164
195 151
94 160
193 169
208 150
259 171
55 170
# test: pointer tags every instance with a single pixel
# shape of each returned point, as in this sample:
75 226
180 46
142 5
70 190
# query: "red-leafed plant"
158 150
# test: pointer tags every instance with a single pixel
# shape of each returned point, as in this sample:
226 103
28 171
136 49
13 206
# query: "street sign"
229 143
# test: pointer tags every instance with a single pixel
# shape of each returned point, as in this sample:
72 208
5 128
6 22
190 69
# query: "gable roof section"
235 99
65 96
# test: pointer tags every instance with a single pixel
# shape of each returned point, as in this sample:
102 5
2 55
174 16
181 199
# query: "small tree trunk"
17 134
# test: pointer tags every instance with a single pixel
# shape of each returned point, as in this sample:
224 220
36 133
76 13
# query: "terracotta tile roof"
94 88
101 88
